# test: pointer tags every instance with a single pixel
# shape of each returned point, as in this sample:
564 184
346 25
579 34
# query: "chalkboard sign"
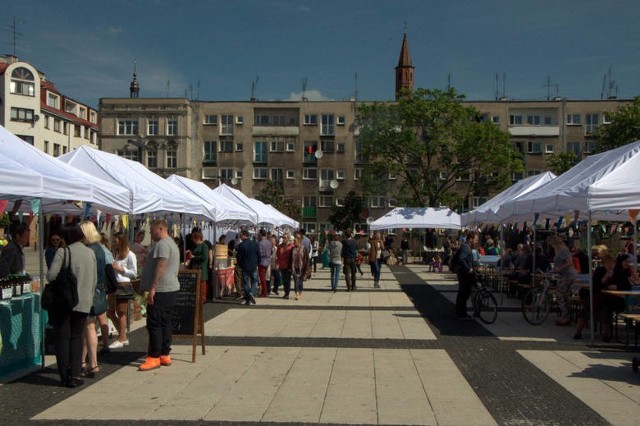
184 314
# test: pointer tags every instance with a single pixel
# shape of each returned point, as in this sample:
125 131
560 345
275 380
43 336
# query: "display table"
225 281
21 321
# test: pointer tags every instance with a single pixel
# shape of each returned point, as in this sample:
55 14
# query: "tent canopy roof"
417 217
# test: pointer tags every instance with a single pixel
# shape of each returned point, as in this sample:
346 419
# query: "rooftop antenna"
168 87
609 87
504 85
355 96
254 83
198 91
304 90
448 81
13 29
496 92
549 85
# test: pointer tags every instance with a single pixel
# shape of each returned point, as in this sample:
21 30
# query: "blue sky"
213 50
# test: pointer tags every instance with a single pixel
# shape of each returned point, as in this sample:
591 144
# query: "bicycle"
537 302
485 306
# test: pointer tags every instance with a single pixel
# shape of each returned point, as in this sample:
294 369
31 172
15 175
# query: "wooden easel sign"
187 319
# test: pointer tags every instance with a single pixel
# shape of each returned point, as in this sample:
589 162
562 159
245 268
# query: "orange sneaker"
150 364
165 360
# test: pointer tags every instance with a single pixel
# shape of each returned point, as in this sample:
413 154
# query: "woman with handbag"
375 257
69 322
300 265
126 268
99 308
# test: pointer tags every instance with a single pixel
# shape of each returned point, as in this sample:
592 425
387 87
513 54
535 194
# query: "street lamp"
139 143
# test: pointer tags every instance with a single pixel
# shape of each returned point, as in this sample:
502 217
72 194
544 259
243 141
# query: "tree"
560 163
347 216
623 129
273 193
430 141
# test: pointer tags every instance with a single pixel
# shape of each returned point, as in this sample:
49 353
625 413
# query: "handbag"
125 291
110 279
63 290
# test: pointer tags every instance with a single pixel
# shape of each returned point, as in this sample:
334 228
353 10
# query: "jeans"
350 272
298 280
286 281
376 267
466 281
159 326
276 279
250 283
335 275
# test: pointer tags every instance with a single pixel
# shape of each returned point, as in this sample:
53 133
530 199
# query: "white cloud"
311 95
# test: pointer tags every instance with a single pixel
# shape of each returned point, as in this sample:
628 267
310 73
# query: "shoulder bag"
61 294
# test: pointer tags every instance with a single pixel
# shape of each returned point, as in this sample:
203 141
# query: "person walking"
248 255
466 275
375 258
563 268
315 251
335 261
404 246
283 263
68 324
266 250
349 254
300 264
126 268
160 279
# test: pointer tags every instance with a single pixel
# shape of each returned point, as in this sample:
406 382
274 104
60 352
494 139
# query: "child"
437 263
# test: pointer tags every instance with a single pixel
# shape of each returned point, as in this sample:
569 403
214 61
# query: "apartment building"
33 109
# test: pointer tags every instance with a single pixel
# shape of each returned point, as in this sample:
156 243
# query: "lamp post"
139 143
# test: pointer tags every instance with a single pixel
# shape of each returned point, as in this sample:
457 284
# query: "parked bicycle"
485 306
538 301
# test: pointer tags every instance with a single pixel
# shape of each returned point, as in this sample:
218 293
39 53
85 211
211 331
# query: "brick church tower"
404 70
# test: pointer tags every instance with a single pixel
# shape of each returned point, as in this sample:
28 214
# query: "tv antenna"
355 96
254 84
609 87
549 85
304 90
13 29
497 94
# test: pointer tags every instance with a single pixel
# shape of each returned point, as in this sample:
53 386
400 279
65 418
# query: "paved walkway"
390 356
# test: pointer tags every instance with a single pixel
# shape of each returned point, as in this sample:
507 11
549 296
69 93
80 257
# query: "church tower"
404 70
134 87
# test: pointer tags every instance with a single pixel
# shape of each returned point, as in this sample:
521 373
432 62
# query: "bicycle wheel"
535 307
486 307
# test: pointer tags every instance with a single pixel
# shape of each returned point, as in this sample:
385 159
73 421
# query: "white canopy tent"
493 211
151 193
282 219
28 173
265 216
417 217
229 211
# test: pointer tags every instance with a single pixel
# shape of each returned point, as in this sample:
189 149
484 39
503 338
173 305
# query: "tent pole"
41 272
591 324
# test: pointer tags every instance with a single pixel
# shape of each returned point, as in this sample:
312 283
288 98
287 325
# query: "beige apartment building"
32 108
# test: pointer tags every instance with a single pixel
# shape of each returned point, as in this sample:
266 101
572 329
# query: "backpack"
454 260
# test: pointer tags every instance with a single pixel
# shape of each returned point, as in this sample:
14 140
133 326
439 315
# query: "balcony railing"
309 212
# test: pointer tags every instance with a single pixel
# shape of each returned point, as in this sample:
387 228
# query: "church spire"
134 87
404 70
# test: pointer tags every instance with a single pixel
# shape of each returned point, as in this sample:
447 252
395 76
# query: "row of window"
328 122
131 128
273 144
277 174
533 147
547 120
171 157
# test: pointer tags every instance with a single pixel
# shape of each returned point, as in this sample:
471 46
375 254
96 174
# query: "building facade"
33 109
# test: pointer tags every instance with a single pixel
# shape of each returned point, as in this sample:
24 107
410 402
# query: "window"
515 120
310 148
239 174
326 176
327 146
46 146
239 147
260 173
291 174
46 122
495 119
310 120
22 82
339 202
261 120
606 118
309 173
575 148
309 201
341 120
76 130
209 173
393 176
548 148
533 173
357 174
573 119
53 100
391 202
340 174
309 227
172 158
276 146
28 139
516 176
56 125
340 147
226 145
152 127
227 124
533 120
518 146
152 158
443 175
129 154
547 120
210 120
210 153
377 201
291 146
128 127
326 201
260 152
328 127
226 174
21 114
534 147
589 146
172 127
56 150
277 175
591 123
240 120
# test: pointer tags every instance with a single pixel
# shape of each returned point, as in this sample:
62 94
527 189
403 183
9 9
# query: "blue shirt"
248 255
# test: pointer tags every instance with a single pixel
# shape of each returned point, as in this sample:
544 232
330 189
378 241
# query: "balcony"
534 130
276 131
309 212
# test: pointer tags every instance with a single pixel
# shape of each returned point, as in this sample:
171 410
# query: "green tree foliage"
273 193
430 141
347 216
560 163
623 129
